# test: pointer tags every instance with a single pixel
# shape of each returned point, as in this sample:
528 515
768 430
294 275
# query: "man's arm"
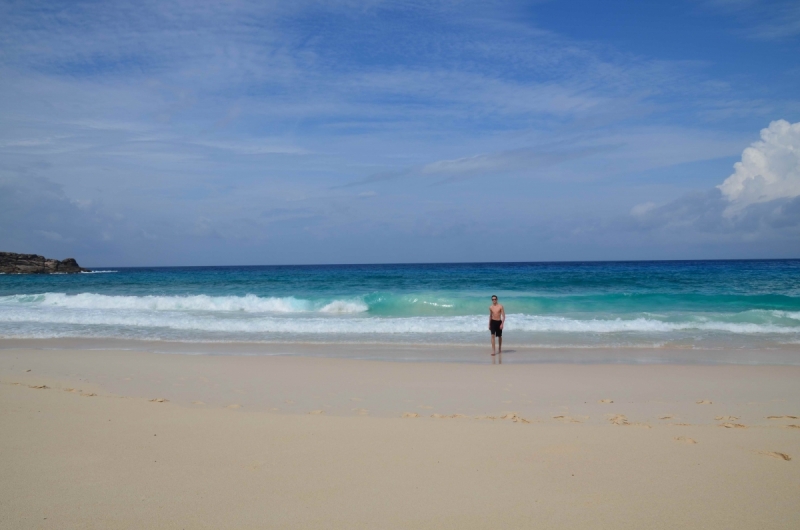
503 316
490 319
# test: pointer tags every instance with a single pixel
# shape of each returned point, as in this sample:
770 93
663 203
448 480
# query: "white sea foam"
97 272
344 306
248 303
328 323
87 313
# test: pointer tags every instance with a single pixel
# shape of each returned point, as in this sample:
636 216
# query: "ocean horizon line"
451 263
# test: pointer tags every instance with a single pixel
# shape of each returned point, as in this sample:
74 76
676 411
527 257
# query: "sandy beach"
132 439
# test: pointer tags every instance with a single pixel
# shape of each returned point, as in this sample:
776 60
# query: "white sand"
266 442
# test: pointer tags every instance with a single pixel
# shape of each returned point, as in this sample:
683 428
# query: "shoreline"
783 355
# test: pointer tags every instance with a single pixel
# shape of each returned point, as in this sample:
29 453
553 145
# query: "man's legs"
500 349
492 343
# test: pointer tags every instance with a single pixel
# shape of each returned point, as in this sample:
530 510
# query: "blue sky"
196 133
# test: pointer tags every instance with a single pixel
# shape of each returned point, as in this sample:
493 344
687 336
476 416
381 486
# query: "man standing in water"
497 317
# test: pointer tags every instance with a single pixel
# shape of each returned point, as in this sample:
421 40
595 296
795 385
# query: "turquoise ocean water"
702 305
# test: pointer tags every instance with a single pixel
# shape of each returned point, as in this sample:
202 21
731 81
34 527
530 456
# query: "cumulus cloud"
759 202
769 169
704 213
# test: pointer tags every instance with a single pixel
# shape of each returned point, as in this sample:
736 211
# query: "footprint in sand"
569 419
39 387
439 416
485 417
197 403
159 400
234 406
361 412
793 426
618 419
667 417
513 417
733 425
88 394
685 440
775 454
726 418
606 401
781 417
704 402
69 390
410 415
27 370
317 412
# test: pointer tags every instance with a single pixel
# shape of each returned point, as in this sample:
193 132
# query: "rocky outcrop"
11 263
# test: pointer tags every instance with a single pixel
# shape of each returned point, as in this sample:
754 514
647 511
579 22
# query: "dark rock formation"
11 263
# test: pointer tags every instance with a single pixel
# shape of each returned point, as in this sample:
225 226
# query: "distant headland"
11 263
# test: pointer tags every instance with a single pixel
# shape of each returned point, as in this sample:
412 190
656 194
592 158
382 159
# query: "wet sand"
127 439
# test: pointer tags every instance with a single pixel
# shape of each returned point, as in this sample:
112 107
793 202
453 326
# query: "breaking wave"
248 303
342 317
362 318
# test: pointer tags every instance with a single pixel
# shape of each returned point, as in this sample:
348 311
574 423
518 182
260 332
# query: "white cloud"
254 147
641 209
518 159
200 121
769 169
763 19
759 204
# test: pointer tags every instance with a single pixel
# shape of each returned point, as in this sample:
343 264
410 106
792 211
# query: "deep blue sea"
676 304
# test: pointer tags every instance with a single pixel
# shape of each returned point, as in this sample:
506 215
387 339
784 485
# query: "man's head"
494 299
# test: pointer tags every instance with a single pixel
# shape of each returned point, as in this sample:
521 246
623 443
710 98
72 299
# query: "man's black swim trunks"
494 327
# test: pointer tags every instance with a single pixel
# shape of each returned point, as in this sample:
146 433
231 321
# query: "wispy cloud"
763 19
264 121
526 160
